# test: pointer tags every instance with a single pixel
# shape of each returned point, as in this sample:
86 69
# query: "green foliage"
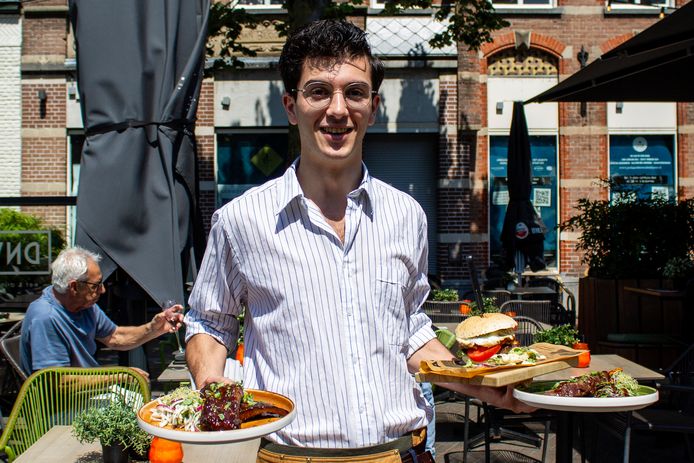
632 237
13 220
488 306
116 423
563 335
448 295
470 22
679 267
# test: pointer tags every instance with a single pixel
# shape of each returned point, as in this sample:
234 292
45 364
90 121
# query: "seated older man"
62 326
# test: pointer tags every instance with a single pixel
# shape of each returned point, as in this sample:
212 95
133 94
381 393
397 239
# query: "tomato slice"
480 354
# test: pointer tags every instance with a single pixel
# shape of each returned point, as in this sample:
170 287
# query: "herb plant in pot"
115 426
565 335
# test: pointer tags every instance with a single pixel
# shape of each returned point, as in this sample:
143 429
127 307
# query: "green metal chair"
54 396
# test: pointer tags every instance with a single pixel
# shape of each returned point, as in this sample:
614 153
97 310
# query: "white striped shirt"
328 324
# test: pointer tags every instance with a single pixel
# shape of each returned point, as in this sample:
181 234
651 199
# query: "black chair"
546 311
9 347
497 422
500 295
674 412
564 296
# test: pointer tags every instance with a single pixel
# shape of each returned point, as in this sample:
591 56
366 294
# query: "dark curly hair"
324 43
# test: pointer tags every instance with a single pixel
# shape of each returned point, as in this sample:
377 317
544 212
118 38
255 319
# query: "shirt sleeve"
418 289
215 301
104 325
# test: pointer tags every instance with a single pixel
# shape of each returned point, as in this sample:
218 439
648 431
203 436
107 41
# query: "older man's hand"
169 320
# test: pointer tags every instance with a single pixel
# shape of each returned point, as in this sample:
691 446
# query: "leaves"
562 335
632 237
448 295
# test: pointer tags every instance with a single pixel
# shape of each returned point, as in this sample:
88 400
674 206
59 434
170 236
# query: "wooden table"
58 445
175 373
565 420
12 318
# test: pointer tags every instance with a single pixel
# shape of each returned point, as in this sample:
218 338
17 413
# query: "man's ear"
289 103
375 101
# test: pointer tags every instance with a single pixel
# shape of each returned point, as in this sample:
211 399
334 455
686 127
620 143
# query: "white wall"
642 117
542 117
11 98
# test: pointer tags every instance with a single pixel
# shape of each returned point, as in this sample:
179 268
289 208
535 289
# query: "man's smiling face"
336 131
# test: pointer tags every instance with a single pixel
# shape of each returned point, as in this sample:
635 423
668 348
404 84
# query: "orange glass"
584 357
464 308
165 451
510 313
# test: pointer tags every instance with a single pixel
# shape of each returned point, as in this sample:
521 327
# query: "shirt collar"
290 189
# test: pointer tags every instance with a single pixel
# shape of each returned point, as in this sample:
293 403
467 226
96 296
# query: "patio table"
58 444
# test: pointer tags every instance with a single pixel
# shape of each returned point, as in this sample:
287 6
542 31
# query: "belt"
409 448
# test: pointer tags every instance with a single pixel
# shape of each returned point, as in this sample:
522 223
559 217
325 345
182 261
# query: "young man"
331 266
62 326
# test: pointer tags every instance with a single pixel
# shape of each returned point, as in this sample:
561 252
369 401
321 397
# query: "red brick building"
439 134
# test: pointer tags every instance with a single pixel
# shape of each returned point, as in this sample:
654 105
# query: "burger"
481 337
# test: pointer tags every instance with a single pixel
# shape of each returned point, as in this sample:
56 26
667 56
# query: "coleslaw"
179 409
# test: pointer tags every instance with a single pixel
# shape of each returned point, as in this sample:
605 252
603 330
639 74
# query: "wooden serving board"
556 358
501 377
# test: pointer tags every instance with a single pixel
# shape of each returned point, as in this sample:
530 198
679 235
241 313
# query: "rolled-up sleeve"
420 324
216 299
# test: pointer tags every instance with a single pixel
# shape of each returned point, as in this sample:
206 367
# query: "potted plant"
115 426
565 335
488 306
631 242
443 301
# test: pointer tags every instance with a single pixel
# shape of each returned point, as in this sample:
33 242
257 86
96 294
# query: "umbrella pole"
520 266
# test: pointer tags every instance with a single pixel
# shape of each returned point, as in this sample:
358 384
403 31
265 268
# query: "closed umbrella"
654 65
522 234
139 71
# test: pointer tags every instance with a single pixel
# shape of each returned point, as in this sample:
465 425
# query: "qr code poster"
500 198
542 197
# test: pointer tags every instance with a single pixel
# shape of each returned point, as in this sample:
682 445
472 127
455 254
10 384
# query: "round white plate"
251 430
534 395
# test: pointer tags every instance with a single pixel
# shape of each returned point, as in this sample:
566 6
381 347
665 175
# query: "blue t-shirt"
54 337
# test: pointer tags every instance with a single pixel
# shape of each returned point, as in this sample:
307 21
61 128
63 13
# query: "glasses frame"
93 286
351 105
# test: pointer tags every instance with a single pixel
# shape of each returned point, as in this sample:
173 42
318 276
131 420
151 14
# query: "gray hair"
71 264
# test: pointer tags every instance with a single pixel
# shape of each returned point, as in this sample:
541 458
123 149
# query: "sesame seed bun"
475 326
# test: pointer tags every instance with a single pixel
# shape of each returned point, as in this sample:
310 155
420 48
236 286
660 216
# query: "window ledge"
644 11
524 11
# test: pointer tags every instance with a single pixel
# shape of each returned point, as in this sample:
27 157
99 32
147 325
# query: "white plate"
252 430
534 395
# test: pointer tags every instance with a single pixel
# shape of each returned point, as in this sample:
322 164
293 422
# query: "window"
644 164
75 144
260 3
247 160
523 3
544 190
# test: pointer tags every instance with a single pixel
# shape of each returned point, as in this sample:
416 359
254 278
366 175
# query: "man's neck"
65 301
328 188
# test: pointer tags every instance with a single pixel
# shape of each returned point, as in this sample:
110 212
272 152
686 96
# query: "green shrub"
448 295
562 335
632 237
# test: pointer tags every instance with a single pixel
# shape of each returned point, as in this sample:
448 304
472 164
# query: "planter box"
615 319
442 307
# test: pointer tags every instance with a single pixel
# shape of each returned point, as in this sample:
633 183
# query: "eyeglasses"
320 94
93 286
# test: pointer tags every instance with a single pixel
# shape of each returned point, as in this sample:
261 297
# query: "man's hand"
142 372
169 320
502 397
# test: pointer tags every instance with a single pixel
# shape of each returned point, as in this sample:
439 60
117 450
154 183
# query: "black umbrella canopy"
139 70
654 65
522 234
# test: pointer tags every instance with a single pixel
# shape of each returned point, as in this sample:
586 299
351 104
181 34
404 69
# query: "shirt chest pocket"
390 286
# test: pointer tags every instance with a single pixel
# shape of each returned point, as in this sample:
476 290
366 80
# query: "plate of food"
218 413
597 391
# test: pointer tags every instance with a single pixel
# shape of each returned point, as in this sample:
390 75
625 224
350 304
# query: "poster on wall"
643 164
544 190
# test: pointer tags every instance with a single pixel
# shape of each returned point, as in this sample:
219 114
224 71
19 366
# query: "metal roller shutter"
408 162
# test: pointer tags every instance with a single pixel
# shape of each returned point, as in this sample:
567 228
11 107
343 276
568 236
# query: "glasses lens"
319 94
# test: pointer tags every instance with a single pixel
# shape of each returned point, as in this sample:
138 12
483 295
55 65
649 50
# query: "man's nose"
338 105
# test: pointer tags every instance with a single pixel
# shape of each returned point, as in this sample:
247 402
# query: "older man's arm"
501 397
129 337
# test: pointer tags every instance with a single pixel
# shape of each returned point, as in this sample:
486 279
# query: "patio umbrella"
654 65
522 234
139 70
